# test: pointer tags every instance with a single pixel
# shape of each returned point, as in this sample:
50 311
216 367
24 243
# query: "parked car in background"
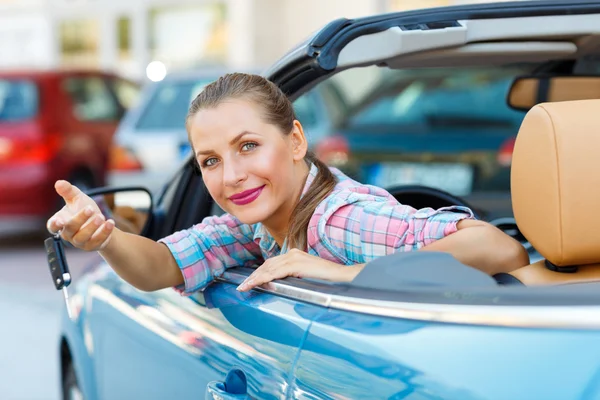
415 325
54 125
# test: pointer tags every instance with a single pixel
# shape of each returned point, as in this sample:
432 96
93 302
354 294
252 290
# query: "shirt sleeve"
362 228
207 249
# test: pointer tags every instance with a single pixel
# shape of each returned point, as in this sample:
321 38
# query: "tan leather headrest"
524 92
555 181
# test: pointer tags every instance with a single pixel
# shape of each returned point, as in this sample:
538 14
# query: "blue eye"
249 146
209 162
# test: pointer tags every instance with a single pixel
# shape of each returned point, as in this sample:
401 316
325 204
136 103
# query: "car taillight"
29 151
122 159
333 150
506 151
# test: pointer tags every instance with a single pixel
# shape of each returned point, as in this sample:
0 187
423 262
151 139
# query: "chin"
250 215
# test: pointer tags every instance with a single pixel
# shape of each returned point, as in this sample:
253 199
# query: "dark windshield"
18 100
168 106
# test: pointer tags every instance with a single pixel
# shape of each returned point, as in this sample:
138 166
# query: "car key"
59 270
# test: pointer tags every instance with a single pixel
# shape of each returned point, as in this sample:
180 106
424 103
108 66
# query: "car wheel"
71 390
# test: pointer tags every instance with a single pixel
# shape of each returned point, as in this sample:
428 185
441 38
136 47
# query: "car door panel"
403 359
161 344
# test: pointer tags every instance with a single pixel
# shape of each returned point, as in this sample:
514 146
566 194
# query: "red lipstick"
247 196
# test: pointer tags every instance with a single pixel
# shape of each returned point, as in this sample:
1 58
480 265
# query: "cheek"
272 161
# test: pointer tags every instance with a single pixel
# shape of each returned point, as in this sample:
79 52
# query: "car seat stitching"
560 210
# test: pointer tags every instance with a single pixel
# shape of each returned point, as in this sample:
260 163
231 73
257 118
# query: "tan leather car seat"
555 183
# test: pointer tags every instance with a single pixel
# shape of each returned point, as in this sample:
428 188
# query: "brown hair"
278 111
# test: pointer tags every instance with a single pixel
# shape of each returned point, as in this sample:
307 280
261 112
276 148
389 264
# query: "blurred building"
127 35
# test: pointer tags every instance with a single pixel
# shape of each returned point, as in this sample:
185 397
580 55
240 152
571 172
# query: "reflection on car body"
427 337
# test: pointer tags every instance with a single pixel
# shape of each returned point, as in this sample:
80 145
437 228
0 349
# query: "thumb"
67 191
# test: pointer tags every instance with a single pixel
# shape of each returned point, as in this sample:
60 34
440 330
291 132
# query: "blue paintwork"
360 356
161 345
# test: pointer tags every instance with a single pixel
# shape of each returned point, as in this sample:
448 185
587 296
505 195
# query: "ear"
298 140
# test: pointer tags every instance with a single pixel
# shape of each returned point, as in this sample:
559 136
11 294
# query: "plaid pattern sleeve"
205 250
361 223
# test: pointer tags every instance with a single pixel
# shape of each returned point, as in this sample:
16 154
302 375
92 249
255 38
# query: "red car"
54 125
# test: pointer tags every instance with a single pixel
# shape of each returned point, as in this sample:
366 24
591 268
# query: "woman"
284 209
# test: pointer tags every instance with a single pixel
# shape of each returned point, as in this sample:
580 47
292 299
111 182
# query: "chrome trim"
557 317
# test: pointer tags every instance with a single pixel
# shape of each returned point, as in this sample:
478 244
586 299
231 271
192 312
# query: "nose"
233 173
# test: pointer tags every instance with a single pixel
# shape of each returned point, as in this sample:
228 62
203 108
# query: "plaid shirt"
355 224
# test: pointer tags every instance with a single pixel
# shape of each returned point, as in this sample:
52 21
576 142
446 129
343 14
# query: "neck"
279 223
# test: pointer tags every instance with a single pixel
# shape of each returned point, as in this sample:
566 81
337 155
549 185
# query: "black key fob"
57 262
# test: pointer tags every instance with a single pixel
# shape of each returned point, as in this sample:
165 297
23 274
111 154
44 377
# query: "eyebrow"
231 143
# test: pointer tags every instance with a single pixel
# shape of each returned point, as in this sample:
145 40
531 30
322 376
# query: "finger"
261 269
83 235
262 276
101 237
72 226
55 224
67 191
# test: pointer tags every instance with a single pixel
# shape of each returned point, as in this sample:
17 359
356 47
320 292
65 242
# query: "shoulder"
350 192
340 217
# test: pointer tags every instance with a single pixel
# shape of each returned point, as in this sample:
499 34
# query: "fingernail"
88 211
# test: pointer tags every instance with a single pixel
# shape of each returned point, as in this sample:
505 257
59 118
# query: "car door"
163 345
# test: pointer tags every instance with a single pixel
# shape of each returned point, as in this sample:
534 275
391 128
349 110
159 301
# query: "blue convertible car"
411 325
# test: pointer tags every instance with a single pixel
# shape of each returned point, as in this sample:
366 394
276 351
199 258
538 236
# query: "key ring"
56 234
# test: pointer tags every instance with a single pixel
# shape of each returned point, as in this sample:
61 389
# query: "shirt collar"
312 174
263 238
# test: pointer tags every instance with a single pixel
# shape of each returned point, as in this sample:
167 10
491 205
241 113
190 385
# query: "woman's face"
251 169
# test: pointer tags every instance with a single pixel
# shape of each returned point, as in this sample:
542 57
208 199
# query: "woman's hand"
299 264
80 221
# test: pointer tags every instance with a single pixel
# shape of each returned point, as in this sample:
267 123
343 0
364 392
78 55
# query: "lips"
247 196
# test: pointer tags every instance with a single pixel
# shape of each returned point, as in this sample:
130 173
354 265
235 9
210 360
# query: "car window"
169 103
92 100
127 92
305 111
446 128
18 100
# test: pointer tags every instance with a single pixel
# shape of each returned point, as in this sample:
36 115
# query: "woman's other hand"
80 221
299 264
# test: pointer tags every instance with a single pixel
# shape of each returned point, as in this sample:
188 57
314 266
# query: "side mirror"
130 207
527 91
